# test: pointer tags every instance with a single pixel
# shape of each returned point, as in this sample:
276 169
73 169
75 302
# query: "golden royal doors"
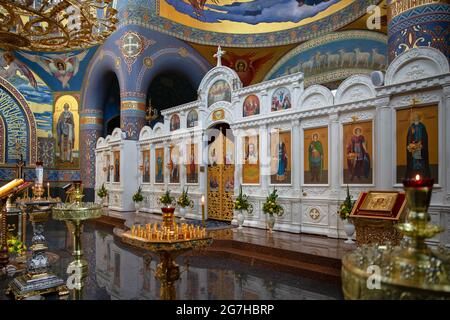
221 161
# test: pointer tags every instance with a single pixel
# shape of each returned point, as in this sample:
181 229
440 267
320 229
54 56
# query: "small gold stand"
75 214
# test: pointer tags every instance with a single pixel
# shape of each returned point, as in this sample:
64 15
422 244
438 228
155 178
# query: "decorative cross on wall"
219 55
131 44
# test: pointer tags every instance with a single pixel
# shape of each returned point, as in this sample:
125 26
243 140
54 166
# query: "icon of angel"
62 66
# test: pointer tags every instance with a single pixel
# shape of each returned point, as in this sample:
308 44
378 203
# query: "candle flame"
417 177
203 199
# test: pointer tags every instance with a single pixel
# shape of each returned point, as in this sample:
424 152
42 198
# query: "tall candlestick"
203 210
39 172
48 190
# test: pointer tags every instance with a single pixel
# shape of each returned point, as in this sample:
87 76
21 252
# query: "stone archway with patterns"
17 125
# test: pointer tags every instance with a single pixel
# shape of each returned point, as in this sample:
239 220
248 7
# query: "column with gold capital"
132 114
91 128
418 23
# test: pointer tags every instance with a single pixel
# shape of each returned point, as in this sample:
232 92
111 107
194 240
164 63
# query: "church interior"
224 150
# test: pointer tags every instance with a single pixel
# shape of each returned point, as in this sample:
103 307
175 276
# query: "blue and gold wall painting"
66 128
334 57
63 67
37 94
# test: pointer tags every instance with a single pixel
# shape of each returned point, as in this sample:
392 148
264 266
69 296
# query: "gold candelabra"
168 240
61 25
409 271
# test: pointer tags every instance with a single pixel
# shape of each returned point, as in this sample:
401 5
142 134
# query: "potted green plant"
16 249
138 198
168 202
271 207
241 204
183 202
103 194
344 213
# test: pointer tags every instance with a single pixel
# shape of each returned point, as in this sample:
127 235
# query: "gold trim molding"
396 7
132 105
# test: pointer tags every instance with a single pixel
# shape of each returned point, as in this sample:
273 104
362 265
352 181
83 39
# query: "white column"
384 137
334 161
166 161
296 154
264 155
183 160
238 160
183 120
446 140
334 156
264 103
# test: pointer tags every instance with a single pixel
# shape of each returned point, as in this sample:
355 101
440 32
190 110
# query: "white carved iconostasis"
301 141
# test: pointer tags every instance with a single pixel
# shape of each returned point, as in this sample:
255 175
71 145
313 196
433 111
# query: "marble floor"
117 271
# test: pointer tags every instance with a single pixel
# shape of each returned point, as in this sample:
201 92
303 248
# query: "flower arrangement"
16 246
346 207
137 196
271 205
166 199
241 202
102 192
183 200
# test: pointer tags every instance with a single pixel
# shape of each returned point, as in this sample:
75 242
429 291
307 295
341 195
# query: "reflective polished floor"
118 272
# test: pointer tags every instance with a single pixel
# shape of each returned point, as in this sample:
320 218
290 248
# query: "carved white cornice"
290 115
426 83
182 107
422 97
175 135
315 122
361 116
285 80
408 58
446 91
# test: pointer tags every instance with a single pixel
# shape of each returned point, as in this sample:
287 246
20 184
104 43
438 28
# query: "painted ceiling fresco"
248 16
243 23
251 64
334 57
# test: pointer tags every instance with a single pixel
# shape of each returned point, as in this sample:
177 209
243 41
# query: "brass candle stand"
76 214
409 271
38 279
168 241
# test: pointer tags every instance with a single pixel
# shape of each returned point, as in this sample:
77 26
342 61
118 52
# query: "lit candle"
48 190
203 209
418 181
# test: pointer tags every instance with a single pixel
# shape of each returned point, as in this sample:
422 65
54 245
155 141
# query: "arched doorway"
220 184
169 89
111 104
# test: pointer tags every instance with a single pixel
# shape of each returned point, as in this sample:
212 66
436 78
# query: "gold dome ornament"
58 25
409 271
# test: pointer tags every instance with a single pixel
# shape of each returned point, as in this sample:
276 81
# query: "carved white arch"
215 74
108 139
228 116
118 135
101 143
316 96
146 133
355 88
416 63
158 128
